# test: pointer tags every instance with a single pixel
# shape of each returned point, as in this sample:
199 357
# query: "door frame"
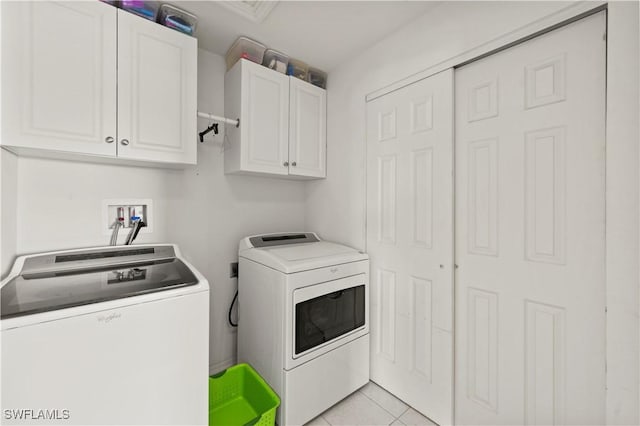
622 190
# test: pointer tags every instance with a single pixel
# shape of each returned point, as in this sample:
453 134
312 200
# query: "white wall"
59 203
51 204
216 210
336 206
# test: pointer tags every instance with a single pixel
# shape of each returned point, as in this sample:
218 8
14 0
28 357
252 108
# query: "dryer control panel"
270 240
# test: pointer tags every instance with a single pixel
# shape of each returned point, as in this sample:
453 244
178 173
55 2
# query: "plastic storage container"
239 396
246 48
275 60
178 19
146 9
317 77
297 69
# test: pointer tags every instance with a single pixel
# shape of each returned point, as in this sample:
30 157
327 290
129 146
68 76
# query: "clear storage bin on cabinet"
246 48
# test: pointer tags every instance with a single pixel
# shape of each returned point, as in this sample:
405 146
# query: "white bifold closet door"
410 241
529 235
530 231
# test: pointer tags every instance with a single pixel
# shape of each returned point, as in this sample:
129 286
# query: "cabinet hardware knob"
441 266
124 142
294 164
109 139
286 164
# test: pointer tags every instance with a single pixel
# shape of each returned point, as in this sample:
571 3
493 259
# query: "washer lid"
293 258
127 273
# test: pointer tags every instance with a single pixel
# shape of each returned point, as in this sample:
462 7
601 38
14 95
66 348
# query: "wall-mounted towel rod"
219 119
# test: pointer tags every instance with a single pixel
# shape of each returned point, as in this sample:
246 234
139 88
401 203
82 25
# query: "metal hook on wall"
213 127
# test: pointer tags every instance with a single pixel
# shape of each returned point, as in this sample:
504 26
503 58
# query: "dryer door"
327 315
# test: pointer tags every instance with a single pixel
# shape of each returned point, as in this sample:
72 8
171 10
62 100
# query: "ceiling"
320 33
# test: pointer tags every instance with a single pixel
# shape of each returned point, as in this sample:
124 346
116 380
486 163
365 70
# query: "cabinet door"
59 76
265 107
157 94
307 129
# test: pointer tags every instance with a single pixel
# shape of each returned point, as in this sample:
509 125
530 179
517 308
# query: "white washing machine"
111 335
303 319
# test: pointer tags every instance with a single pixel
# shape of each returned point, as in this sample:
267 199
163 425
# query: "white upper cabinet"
59 76
260 98
307 129
64 64
282 123
157 92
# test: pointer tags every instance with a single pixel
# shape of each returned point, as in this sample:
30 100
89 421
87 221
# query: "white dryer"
109 335
303 319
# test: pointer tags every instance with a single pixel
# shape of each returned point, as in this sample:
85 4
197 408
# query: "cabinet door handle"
124 142
109 139
286 164
294 164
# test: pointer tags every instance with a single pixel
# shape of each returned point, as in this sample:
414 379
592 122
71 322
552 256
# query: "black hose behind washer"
231 323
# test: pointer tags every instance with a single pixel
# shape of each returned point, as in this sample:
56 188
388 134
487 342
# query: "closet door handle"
124 142
109 139
286 164
294 164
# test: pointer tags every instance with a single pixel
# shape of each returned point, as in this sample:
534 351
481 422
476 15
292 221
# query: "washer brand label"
32 414
108 318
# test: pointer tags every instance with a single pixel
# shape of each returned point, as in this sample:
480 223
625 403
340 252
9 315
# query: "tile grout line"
403 413
392 415
379 405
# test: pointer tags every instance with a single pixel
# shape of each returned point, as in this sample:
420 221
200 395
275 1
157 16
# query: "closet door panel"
410 242
530 231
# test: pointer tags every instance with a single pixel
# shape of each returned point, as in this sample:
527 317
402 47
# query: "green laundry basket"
238 396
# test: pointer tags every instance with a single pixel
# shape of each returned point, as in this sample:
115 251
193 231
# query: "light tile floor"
370 406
